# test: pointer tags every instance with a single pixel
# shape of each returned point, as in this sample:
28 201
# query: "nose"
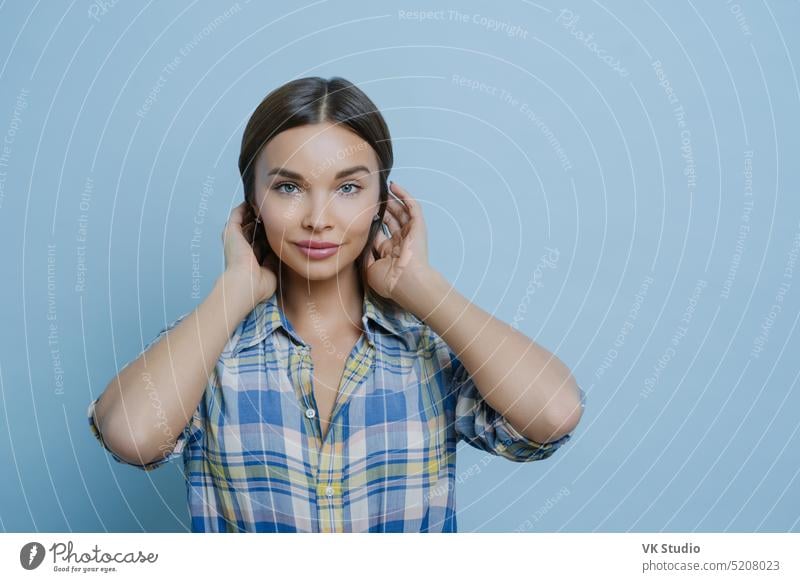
317 212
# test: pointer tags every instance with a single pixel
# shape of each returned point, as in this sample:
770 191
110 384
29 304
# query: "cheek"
359 227
359 221
278 230
279 241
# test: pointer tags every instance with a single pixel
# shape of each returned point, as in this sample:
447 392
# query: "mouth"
317 250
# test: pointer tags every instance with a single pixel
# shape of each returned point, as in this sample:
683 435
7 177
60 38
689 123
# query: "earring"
376 217
258 219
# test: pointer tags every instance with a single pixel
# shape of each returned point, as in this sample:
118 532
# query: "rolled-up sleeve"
192 431
482 427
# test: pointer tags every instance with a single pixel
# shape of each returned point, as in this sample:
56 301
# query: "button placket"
330 504
309 402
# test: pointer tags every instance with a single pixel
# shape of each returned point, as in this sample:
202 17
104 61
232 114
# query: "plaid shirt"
253 454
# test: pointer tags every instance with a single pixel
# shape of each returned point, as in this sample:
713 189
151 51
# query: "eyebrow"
297 176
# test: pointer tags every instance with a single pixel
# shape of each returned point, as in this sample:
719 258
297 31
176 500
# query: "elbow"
569 423
131 451
565 418
120 437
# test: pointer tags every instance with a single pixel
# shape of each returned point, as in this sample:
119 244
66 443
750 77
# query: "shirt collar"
267 317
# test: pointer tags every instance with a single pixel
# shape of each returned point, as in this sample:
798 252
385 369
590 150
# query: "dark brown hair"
305 101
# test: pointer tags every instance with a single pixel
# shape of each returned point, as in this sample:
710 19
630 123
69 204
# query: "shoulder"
417 335
426 344
249 332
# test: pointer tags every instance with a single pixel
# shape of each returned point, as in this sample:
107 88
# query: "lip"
317 250
315 244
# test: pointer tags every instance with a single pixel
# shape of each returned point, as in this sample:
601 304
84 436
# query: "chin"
318 270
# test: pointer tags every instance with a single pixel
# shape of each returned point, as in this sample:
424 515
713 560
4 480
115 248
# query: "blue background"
560 190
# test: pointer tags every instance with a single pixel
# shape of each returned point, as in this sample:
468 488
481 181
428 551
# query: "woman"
325 381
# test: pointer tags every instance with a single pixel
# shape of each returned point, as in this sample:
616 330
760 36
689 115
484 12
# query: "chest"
328 364
326 378
280 391
385 452
279 405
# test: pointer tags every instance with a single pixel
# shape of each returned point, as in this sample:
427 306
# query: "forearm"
146 407
524 382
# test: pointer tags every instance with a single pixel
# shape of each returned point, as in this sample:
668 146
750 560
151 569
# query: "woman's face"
317 183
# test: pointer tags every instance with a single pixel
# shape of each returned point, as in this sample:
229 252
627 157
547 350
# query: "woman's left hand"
404 256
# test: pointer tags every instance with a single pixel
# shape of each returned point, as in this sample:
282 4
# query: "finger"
393 194
394 226
398 211
380 238
375 252
237 213
234 223
380 243
410 203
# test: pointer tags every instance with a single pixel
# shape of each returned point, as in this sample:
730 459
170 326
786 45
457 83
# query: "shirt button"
329 491
310 413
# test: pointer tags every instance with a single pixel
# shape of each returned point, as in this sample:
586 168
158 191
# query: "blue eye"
281 185
351 192
348 192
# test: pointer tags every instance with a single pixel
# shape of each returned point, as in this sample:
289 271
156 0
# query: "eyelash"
348 195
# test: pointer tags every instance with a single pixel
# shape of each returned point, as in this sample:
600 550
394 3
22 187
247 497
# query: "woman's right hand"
241 263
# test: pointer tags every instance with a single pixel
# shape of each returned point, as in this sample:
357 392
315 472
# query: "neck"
317 309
